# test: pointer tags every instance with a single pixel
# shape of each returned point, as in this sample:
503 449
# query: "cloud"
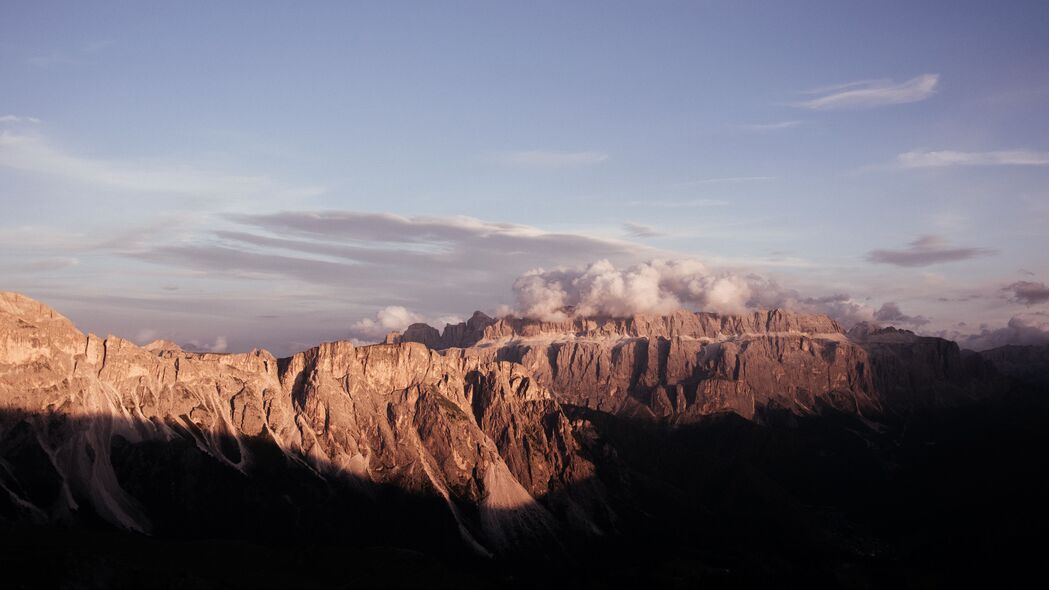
1021 329
55 58
439 264
925 251
640 230
145 336
548 159
722 180
945 158
684 204
777 126
18 119
50 264
841 306
656 287
890 312
660 287
61 58
872 93
1028 292
33 153
393 318
219 345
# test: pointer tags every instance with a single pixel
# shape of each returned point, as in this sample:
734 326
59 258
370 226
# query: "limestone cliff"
482 435
687 365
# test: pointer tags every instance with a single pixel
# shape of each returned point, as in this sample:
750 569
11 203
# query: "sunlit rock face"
479 437
686 365
433 439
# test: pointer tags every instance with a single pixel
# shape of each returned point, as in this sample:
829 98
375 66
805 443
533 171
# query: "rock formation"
767 443
687 365
478 434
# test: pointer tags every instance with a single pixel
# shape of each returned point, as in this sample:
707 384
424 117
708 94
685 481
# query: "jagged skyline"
280 176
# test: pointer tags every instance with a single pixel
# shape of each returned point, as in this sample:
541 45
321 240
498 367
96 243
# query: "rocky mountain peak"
481 328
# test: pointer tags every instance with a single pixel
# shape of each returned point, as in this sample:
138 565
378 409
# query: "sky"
231 175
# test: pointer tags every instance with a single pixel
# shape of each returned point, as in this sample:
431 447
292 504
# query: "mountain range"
668 450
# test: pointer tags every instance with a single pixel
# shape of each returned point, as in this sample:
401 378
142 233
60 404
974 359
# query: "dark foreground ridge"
397 466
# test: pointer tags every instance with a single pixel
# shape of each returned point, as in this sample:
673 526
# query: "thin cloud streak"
685 204
872 93
926 251
548 159
640 230
18 119
33 153
723 180
947 158
778 126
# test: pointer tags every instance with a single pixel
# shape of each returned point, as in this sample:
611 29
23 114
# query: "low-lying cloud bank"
663 286
1028 329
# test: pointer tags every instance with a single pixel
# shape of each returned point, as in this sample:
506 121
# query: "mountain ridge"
693 439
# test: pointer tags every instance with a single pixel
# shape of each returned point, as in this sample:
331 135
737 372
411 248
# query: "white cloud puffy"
662 286
890 312
393 318
219 345
872 93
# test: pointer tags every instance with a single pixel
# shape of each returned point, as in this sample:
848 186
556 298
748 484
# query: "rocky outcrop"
458 335
684 365
915 372
482 437
1028 364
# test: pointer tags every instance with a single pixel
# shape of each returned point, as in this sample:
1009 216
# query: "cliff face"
481 436
914 372
476 432
1028 364
687 365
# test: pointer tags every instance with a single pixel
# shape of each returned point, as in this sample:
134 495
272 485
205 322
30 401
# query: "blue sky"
197 171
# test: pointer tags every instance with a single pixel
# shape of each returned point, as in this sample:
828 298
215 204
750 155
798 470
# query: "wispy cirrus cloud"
547 159
34 153
871 93
640 230
64 58
50 264
682 204
18 119
432 260
55 58
946 158
925 251
777 126
722 180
